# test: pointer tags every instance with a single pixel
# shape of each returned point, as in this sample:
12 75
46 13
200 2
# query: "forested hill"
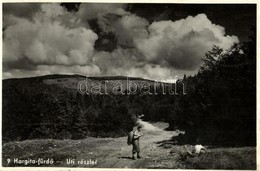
72 82
52 107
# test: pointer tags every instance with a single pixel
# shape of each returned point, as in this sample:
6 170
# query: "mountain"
97 85
52 106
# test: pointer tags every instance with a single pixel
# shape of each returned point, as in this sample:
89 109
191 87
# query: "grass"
165 155
220 158
58 150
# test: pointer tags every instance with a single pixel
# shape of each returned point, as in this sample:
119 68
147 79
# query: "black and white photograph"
129 85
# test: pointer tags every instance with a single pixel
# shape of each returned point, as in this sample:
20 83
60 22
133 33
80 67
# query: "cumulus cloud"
126 28
161 49
96 10
46 40
127 62
113 18
78 69
148 71
115 62
53 69
182 44
54 40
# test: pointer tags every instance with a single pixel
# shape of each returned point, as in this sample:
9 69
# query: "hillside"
71 82
51 106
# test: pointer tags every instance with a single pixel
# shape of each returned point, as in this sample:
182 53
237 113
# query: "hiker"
136 146
130 137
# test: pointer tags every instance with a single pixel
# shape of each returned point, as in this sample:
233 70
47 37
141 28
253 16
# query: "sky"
152 41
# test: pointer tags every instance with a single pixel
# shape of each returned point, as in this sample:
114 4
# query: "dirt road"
115 153
92 152
119 153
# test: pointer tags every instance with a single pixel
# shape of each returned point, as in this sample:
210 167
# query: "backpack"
130 138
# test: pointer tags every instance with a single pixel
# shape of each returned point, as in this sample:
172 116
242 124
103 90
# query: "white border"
139 1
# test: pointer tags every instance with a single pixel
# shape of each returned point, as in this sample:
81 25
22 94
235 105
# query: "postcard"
148 85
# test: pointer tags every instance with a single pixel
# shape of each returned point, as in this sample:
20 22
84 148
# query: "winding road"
117 154
107 152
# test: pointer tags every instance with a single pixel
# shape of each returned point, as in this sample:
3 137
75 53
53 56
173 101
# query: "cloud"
126 28
47 40
161 49
182 44
90 11
113 18
113 63
127 62
54 40
78 69
148 71
57 69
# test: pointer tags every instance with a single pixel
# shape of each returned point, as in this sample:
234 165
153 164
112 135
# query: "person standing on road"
136 143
